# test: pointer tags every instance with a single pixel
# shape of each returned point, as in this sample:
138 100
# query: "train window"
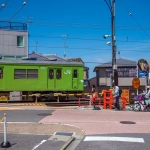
75 73
51 73
58 74
1 73
20 74
32 73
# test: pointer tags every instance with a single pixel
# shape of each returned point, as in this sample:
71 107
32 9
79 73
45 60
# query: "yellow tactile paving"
33 104
8 108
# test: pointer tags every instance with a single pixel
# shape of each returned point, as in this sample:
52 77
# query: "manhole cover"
127 122
44 114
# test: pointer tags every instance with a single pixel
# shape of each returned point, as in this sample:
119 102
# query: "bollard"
6 143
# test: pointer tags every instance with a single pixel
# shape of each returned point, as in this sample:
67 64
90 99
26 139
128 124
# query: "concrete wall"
121 81
8 43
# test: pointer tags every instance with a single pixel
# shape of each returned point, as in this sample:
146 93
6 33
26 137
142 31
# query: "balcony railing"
4 25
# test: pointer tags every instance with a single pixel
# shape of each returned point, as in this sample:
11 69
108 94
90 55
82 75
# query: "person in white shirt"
116 96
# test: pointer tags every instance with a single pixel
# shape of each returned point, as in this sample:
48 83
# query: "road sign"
136 83
143 73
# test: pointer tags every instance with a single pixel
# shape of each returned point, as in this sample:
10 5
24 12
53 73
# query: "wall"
8 43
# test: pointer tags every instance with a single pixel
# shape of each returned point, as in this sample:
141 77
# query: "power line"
80 25
83 48
130 14
77 38
24 3
3 5
85 39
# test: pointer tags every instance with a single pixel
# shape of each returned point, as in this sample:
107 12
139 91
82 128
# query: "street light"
106 36
111 6
108 43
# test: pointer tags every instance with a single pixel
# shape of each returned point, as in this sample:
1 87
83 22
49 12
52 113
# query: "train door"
54 78
75 79
1 79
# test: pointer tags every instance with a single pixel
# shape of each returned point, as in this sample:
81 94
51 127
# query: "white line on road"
39 144
123 139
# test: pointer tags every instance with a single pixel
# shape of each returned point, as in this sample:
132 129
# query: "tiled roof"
53 57
45 57
75 59
119 62
39 57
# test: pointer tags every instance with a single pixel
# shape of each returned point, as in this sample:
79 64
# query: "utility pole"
64 37
111 6
114 66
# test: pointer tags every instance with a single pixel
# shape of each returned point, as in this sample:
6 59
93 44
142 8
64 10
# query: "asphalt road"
85 119
31 142
25 115
116 145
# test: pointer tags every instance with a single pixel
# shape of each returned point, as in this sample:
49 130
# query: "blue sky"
85 22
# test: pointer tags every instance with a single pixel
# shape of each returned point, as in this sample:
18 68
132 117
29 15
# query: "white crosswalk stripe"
121 139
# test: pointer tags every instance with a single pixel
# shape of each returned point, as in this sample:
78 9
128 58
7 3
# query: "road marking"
8 108
122 139
39 144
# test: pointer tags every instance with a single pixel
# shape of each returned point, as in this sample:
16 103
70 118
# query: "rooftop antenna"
64 37
28 20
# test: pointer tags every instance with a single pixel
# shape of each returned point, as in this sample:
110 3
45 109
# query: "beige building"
127 70
14 41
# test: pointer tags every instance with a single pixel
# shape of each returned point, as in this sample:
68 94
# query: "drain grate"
64 133
127 122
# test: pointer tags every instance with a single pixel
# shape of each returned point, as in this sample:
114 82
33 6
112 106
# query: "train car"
44 77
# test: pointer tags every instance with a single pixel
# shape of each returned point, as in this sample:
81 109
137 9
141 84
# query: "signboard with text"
125 93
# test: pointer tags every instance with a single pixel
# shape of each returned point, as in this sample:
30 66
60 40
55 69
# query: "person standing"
92 92
116 96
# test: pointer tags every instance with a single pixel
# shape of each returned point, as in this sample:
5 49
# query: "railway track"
46 104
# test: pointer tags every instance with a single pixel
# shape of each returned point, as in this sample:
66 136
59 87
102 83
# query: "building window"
1 73
51 74
75 74
58 74
20 74
122 72
32 73
20 41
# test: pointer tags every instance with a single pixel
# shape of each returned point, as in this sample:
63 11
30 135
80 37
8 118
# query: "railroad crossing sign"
136 83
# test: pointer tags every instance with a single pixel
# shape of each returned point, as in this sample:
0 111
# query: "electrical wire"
130 14
4 4
82 48
24 3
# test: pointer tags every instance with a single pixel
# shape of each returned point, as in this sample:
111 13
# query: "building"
127 70
13 40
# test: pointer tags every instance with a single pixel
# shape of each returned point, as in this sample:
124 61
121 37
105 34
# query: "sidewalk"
39 128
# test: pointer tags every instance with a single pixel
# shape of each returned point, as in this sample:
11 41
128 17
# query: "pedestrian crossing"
109 138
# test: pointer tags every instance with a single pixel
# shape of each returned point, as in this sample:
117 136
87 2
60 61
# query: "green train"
44 77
